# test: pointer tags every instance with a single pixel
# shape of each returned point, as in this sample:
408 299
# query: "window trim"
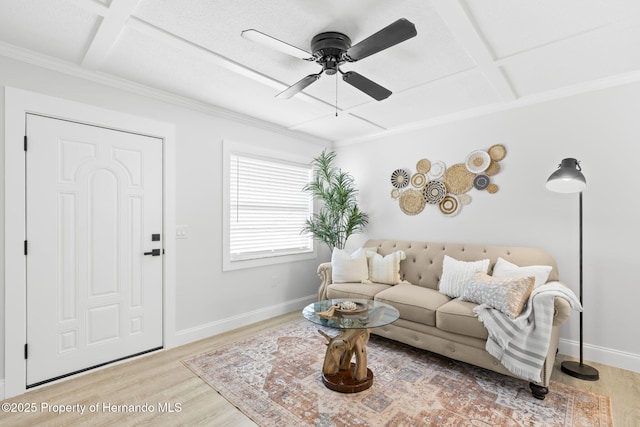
229 148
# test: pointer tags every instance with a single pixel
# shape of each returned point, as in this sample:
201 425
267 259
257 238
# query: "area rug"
275 379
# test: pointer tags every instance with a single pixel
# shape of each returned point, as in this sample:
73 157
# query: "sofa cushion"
457 316
355 290
385 269
414 303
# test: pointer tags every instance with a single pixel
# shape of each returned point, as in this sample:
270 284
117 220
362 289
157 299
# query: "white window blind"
267 207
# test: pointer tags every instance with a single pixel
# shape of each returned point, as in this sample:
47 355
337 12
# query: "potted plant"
339 216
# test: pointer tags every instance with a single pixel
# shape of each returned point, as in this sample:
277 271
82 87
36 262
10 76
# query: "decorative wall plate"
423 166
458 179
493 169
400 178
434 192
437 170
478 161
411 202
492 188
497 152
395 193
464 199
418 180
480 182
449 205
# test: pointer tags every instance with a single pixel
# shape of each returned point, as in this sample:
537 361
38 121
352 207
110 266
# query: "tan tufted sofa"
432 321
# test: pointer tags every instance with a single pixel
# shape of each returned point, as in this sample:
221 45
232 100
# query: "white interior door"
94 201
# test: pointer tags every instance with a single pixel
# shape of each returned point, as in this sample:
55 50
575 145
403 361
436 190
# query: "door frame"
18 103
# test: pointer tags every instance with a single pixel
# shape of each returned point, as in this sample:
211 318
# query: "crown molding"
58 65
525 101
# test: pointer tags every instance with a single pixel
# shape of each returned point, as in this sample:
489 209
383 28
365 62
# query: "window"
266 210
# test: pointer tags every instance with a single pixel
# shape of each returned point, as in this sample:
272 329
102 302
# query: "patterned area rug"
275 379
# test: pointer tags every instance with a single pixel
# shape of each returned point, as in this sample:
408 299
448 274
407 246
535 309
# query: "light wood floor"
161 378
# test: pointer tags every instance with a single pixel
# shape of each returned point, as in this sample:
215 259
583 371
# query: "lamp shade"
568 178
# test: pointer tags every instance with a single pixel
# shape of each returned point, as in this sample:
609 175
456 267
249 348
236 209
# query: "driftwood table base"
343 381
338 373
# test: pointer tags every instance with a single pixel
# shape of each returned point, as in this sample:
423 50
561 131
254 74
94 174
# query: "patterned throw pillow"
456 274
385 269
507 294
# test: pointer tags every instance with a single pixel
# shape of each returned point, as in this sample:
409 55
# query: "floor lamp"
569 179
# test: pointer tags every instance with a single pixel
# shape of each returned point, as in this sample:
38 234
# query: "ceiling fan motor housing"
328 50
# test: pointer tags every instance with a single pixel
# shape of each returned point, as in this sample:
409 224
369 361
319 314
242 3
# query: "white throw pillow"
456 274
385 269
504 268
349 268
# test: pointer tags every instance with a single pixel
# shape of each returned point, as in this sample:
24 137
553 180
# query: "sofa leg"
538 391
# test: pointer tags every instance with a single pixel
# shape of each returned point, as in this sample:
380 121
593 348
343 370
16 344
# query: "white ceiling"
469 56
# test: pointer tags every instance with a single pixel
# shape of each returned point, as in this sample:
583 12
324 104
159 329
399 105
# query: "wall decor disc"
492 188
437 170
458 179
395 193
418 180
497 152
480 182
478 161
449 205
423 166
493 169
400 178
411 202
464 199
434 192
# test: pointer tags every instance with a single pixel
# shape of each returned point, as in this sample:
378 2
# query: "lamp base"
580 370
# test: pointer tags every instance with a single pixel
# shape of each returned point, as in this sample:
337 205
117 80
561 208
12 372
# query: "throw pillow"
385 269
504 268
456 274
348 268
507 294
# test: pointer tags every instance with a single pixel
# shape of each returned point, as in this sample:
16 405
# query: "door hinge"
25 247
25 143
26 351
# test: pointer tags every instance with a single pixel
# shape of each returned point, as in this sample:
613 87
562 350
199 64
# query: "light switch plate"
182 231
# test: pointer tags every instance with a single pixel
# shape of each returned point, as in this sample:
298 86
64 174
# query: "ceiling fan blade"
298 87
372 89
390 35
273 43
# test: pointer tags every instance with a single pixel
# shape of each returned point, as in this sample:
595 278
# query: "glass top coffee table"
356 321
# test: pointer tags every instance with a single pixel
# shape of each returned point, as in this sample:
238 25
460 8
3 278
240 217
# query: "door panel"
94 198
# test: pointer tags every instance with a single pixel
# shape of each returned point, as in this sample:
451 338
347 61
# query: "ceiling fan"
332 49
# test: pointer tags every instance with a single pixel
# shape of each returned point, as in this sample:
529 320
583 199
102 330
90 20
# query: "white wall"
208 300
602 130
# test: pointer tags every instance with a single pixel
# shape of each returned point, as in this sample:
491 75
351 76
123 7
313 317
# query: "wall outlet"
182 231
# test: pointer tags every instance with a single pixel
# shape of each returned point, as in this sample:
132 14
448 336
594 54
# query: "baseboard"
604 355
187 336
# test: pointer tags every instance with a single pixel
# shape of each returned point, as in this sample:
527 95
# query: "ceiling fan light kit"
332 49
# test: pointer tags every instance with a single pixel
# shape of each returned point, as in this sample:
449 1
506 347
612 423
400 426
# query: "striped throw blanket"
521 344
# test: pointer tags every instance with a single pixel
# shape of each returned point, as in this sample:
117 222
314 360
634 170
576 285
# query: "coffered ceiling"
469 57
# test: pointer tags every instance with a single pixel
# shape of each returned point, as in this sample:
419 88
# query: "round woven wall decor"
480 182
411 202
418 180
497 152
449 205
437 170
400 178
493 169
458 179
434 192
492 188
423 166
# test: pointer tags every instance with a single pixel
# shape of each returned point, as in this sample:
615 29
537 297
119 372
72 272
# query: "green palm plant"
339 216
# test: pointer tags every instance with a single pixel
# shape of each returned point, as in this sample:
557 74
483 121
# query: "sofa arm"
561 311
324 273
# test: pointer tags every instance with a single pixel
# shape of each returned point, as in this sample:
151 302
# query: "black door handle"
154 252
